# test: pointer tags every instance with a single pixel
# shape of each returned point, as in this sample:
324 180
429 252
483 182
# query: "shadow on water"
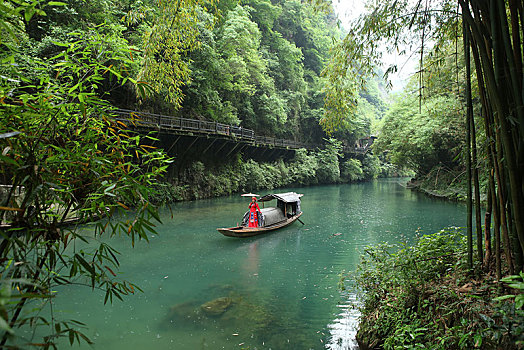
203 290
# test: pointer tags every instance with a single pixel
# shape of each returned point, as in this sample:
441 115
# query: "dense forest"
254 64
283 69
257 63
458 125
66 65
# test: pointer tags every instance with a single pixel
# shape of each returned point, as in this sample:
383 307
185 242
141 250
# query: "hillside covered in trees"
458 124
257 63
64 66
283 69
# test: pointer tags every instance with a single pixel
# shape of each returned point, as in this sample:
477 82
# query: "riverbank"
423 296
203 179
189 263
444 183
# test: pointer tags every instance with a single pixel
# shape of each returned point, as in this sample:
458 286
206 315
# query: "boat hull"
243 231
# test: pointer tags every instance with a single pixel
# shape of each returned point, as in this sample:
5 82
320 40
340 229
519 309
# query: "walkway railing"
169 122
159 121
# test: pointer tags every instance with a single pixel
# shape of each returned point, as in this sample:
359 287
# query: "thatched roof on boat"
288 197
272 216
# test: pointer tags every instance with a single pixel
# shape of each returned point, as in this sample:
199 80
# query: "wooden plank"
173 145
211 144
185 126
227 155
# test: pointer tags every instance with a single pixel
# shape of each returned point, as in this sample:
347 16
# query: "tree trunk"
496 230
501 65
469 113
501 184
476 185
511 143
487 226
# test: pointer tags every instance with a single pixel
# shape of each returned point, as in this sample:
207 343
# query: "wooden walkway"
184 126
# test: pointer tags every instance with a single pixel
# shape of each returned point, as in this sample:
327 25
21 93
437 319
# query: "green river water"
282 285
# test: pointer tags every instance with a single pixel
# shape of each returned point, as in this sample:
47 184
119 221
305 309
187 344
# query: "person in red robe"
253 212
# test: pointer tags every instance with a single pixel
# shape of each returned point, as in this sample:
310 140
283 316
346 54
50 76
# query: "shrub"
328 170
351 170
303 169
412 299
371 166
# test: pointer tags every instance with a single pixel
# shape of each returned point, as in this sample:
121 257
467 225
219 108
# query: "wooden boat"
284 214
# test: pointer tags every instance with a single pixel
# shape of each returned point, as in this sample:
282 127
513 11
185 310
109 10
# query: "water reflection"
282 287
343 329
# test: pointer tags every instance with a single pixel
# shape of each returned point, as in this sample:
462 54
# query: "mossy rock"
367 338
216 307
249 317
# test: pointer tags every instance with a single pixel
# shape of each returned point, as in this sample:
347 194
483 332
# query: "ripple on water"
284 284
343 329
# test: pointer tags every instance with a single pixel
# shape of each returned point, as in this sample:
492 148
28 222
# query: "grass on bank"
423 297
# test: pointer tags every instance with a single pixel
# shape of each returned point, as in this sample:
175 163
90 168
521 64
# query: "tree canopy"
64 160
64 66
490 50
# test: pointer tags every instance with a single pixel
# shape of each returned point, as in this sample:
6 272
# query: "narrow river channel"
282 286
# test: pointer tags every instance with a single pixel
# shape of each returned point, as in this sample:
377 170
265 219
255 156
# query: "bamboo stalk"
469 112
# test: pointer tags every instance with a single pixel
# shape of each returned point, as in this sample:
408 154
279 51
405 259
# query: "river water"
282 286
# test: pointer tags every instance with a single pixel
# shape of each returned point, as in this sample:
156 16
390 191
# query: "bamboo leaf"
4 326
85 264
504 297
519 301
9 160
71 337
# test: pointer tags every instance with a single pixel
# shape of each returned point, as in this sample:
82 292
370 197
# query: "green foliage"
395 280
260 67
419 140
64 158
394 25
516 282
238 44
328 170
255 63
371 166
307 168
172 35
303 170
510 309
351 170
411 298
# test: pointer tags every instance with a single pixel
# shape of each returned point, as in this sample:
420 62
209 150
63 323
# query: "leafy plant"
516 282
414 296
511 314
64 159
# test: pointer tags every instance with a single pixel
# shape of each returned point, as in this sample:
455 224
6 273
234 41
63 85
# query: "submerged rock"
231 312
216 307
183 313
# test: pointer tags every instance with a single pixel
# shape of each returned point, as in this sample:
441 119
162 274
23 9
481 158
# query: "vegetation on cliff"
246 175
64 159
65 65
421 296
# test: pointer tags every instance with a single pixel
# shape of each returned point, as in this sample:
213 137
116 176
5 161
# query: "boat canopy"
288 197
271 216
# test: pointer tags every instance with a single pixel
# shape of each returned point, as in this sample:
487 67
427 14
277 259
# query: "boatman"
253 212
